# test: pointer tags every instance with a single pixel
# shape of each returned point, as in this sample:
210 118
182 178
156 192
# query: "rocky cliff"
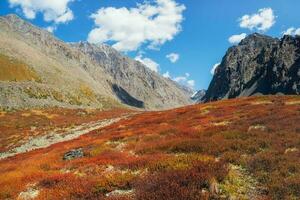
259 65
44 71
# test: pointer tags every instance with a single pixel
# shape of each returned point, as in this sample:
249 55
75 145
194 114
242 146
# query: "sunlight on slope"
13 70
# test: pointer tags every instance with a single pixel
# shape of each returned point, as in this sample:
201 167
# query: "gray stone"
73 154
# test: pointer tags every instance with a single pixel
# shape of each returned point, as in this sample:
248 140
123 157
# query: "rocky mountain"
39 70
198 96
259 65
133 77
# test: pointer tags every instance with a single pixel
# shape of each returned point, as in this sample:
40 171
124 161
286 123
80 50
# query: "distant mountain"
198 96
259 65
132 76
39 70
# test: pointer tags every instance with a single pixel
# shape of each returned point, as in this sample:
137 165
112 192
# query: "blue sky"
195 30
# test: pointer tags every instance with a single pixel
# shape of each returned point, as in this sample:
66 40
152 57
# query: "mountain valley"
84 121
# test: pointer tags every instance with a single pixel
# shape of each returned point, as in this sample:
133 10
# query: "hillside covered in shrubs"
245 148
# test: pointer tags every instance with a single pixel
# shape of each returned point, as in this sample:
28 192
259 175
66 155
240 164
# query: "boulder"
73 154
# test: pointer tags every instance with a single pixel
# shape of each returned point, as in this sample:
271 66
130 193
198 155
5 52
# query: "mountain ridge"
258 65
130 74
89 83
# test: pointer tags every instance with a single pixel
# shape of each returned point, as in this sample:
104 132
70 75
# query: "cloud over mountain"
292 31
151 64
152 24
235 39
263 20
56 11
213 69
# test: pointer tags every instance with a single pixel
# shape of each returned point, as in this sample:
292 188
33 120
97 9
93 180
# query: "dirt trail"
240 184
54 137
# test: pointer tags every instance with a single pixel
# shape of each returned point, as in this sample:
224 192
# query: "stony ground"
58 135
33 128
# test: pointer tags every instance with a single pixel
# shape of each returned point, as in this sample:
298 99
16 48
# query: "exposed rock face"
198 96
76 75
259 65
132 76
61 70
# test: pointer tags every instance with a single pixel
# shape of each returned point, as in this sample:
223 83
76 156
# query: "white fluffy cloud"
148 62
51 29
167 75
56 11
292 31
191 84
184 80
213 69
148 23
173 57
263 20
235 39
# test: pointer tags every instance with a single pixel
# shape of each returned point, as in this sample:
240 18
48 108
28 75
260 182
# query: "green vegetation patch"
238 184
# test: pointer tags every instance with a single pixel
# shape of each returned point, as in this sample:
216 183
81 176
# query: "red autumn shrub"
190 184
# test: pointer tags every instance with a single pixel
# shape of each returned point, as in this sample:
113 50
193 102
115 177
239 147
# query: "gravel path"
53 137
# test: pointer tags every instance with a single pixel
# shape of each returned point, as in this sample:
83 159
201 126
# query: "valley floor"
244 148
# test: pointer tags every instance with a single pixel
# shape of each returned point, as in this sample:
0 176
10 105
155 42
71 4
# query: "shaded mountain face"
198 96
259 65
127 98
48 72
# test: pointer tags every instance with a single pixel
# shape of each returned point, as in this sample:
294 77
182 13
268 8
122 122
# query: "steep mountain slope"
62 79
258 65
198 96
69 77
132 76
245 148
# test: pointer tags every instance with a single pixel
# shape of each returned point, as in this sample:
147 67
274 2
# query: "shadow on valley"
126 98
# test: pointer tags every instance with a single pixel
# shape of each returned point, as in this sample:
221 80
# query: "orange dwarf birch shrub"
176 154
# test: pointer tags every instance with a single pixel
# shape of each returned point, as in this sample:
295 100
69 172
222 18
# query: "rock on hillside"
258 65
57 74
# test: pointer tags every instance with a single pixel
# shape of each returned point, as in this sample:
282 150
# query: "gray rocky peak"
259 65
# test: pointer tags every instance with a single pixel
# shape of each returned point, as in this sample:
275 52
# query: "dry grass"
44 114
13 70
2 113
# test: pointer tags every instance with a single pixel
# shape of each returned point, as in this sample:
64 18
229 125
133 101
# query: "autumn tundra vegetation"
246 148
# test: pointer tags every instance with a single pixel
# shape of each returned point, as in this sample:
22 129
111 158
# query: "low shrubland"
244 148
